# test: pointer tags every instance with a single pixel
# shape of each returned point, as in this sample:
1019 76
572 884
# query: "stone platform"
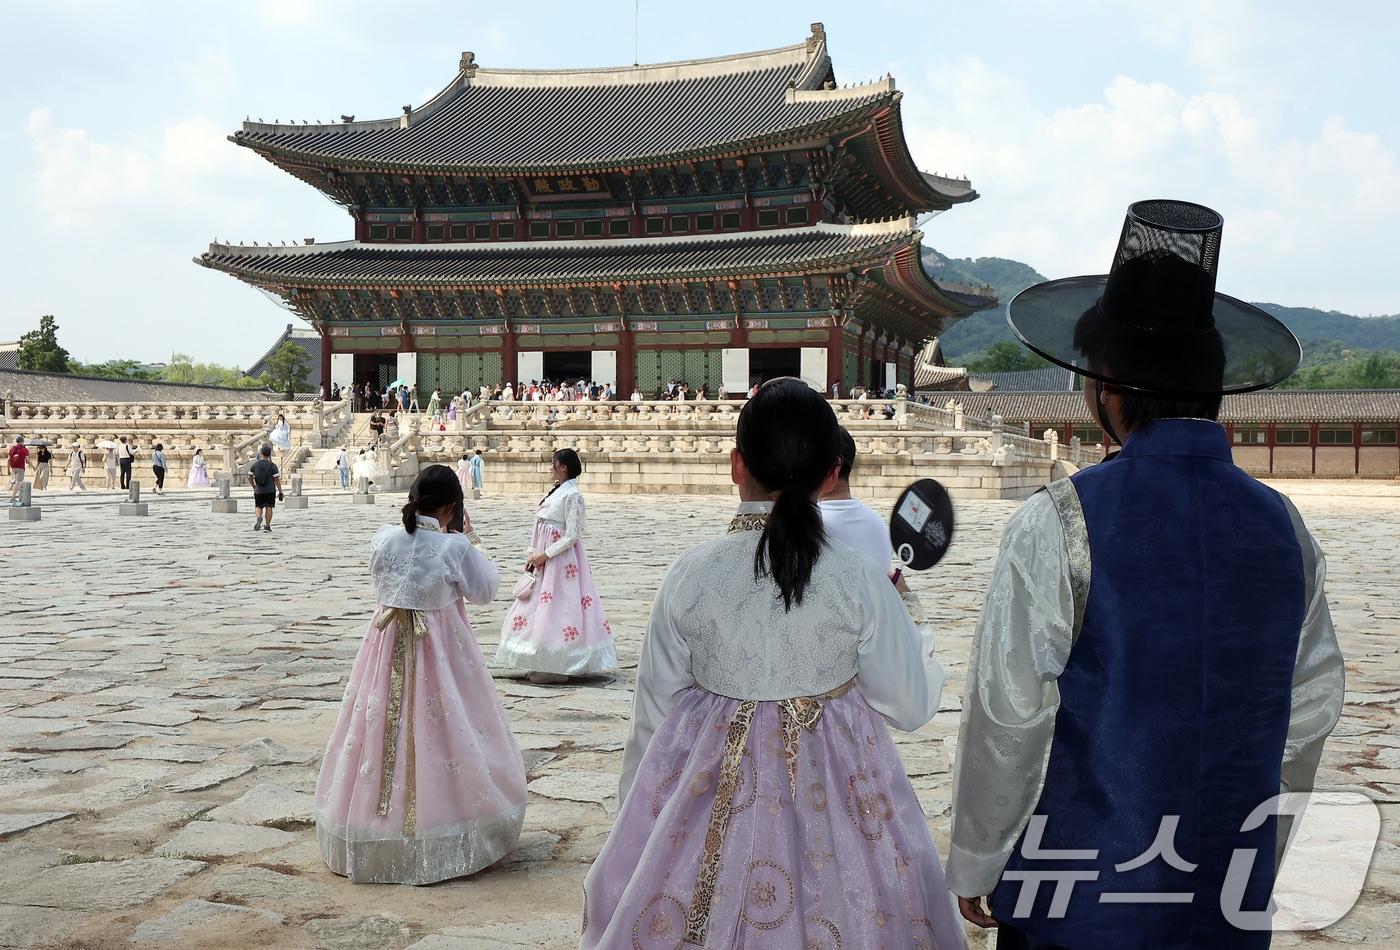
162 714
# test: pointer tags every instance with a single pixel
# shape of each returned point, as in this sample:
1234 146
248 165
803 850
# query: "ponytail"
787 436
790 544
435 488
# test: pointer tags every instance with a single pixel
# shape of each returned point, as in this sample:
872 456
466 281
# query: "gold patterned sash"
408 626
803 712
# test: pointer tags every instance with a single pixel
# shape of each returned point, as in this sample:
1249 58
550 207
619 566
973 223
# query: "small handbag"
524 587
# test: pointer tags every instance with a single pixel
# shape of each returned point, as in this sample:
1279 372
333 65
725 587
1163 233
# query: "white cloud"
211 75
1308 215
79 179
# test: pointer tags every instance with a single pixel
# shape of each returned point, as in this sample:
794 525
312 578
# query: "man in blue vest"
1155 659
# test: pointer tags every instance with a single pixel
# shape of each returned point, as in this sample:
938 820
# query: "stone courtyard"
169 681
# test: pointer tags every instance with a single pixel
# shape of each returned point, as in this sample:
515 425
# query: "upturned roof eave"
815 131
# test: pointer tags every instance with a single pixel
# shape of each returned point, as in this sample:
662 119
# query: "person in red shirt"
19 455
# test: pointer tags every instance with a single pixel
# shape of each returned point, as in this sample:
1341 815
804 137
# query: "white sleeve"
1021 645
896 671
573 525
663 673
476 575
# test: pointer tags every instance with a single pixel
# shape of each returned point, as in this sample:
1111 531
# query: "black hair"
160 447
846 451
435 488
1196 365
265 451
787 436
570 460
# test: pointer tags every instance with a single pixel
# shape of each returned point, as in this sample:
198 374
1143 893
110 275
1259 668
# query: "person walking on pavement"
126 455
18 456
43 465
158 466
342 465
267 487
77 461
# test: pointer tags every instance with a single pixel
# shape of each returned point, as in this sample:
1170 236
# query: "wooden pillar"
835 358
326 362
626 363
510 356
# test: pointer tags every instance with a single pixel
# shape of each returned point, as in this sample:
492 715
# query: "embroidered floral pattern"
585 601
518 623
570 633
607 628
571 571
554 535
546 597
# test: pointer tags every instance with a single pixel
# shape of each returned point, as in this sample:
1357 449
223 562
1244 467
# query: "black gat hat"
1155 323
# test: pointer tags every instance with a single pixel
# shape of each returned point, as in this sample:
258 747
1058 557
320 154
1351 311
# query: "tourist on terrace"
77 462
464 467
636 394
43 466
199 471
18 457
435 406
376 427
557 628
281 434
762 801
342 465
126 456
421 779
478 466
158 467
413 399
1155 660
391 427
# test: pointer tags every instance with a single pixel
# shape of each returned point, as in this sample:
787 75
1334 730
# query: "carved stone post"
225 503
295 499
362 495
133 504
25 510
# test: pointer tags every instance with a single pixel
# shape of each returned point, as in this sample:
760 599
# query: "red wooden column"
326 362
626 363
510 357
835 362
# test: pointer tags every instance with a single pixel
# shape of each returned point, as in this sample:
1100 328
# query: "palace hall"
717 221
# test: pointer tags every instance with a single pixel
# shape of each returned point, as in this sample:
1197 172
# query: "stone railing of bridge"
229 434
672 447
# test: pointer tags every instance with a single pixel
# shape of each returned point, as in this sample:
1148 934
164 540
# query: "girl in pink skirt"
559 627
763 803
422 779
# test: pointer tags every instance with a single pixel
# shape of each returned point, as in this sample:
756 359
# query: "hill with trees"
1340 350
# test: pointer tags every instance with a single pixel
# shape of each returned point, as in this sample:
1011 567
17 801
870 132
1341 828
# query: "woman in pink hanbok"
422 779
558 628
762 802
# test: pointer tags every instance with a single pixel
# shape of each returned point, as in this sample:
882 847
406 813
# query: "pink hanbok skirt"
823 844
455 800
199 478
562 627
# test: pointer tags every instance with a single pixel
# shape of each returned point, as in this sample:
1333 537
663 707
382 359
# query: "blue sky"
115 171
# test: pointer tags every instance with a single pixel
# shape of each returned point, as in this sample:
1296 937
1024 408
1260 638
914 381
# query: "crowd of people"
1154 661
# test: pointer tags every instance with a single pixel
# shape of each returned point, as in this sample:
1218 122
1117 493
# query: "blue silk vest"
1175 699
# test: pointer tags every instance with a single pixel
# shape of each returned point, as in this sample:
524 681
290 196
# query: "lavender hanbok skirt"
801 831
422 779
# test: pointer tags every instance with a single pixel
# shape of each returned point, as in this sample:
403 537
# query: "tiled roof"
60 387
1044 379
9 356
536 119
552 262
927 376
1277 405
308 340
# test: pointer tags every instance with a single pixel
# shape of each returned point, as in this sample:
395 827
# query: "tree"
183 369
286 369
39 349
1005 357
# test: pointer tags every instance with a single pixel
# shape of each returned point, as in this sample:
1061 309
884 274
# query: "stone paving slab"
142 706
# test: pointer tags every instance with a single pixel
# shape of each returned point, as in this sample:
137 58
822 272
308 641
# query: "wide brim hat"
1155 324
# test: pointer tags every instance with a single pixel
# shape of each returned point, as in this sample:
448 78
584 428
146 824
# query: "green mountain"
972 336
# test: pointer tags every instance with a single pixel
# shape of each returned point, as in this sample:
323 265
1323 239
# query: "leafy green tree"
39 349
286 369
183 369
112 369
1005 357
